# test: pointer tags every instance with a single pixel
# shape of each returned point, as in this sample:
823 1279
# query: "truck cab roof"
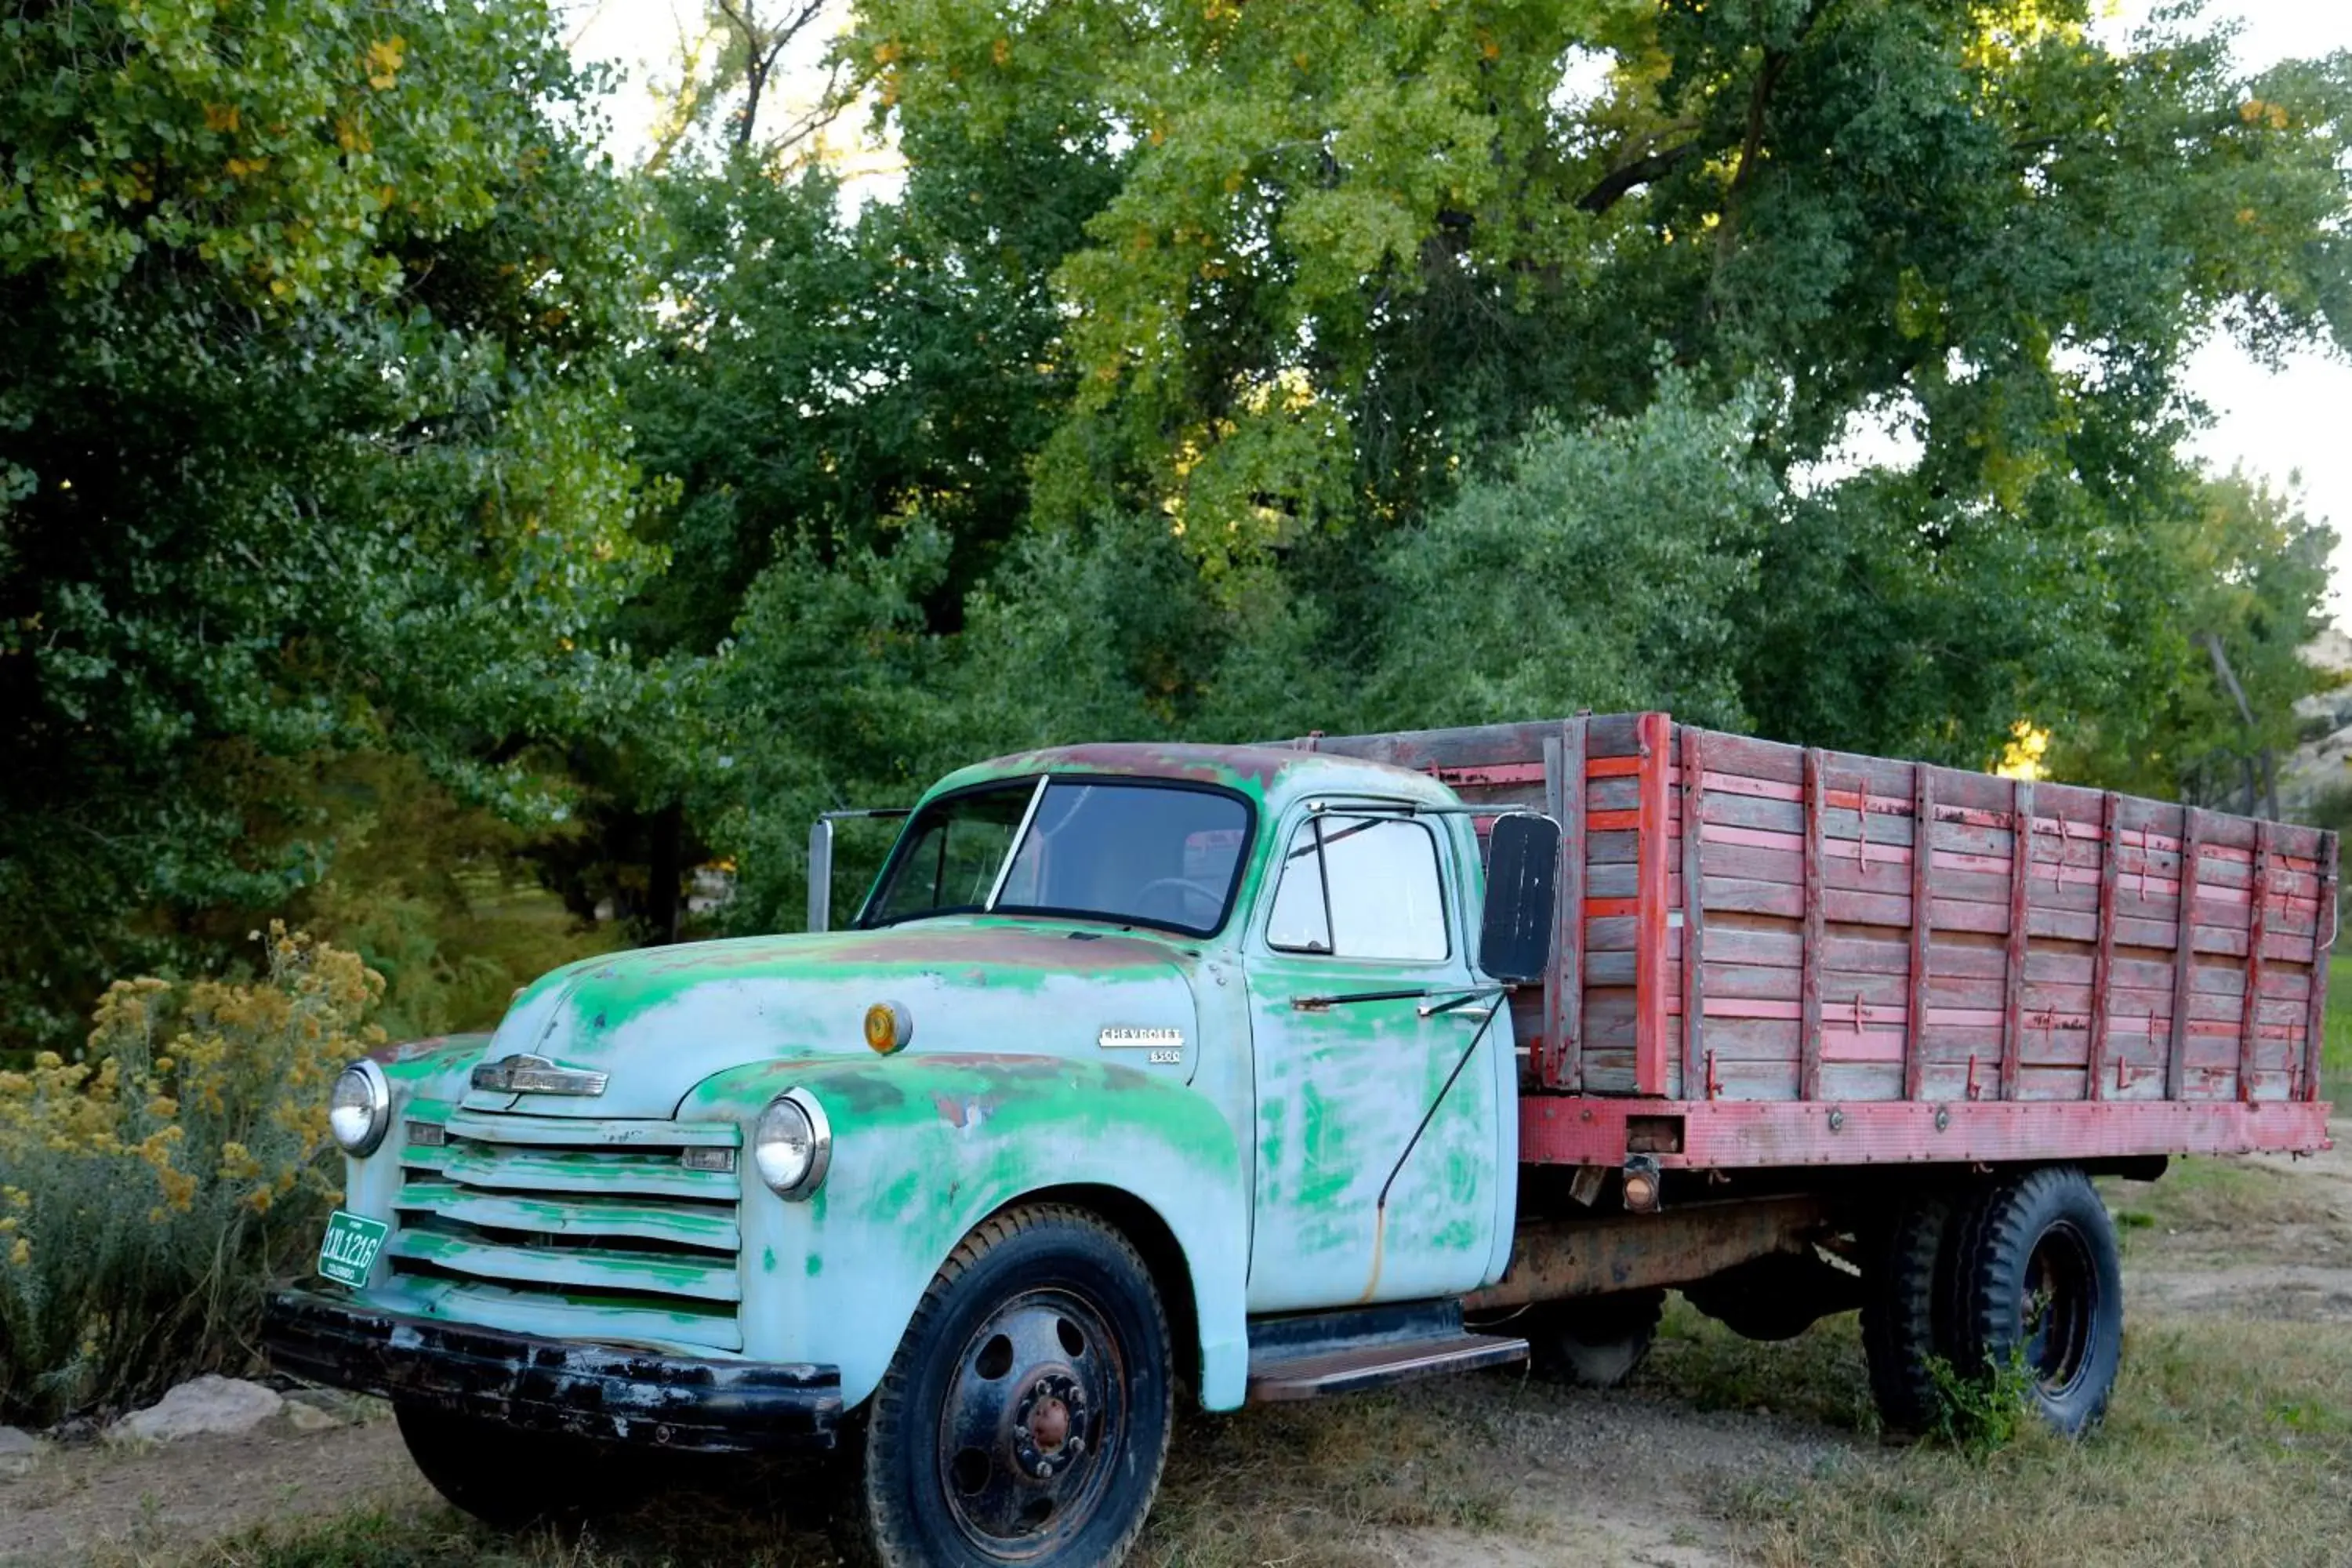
1267 775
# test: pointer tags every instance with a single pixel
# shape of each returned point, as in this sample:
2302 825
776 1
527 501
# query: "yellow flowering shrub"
149 1187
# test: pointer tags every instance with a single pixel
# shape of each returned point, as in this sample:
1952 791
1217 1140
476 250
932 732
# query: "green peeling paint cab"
1159 1041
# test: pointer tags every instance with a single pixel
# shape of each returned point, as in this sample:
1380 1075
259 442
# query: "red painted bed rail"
1594 1130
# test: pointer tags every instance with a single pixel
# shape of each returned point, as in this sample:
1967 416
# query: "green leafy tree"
309 443
2250 572
822 390
1355 252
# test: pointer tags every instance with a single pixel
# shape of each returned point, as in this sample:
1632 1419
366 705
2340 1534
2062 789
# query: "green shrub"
149 1189
1981 1413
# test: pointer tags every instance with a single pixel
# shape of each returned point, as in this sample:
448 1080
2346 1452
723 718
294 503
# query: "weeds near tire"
1981 1413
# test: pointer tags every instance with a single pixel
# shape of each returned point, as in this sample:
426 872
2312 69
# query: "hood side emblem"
536 1075
1135 1038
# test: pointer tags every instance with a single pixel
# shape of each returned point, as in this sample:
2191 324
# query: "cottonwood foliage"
309 441
1220 370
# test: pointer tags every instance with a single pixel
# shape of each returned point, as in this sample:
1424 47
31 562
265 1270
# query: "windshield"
1131 852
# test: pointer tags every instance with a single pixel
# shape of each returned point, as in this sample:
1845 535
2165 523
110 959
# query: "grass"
2227 1443
2336 1034
1302 1485
2217 1199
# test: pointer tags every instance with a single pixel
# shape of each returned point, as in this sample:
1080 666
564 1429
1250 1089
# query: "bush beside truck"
150 1187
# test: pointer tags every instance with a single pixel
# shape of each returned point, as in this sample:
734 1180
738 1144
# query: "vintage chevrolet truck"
1150 1074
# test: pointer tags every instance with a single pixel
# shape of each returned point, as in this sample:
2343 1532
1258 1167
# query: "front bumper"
603 1392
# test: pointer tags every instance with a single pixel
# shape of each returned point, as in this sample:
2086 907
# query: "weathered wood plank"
1653 742
2102 962
1694 908
2184 960
1809 1078
2021 893
1568 939
2257 915
1923 925
1568 1063
2315 982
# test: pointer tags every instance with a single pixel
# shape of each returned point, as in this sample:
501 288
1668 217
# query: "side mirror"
820 859
1522 870
820 875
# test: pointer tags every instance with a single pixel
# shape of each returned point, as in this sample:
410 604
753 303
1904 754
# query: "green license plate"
351 1243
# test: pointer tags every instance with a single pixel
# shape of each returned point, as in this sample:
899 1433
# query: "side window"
1361 887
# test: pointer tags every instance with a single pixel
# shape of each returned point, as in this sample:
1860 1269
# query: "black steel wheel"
2039 1284
1025 1416
1596 1341
510 1478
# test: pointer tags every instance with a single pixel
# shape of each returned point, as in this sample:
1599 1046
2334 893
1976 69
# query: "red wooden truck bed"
2046 982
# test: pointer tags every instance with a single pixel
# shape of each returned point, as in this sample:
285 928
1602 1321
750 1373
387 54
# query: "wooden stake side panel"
2051 937
1965 1008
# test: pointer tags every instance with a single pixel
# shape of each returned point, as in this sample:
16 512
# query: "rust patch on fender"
401 1051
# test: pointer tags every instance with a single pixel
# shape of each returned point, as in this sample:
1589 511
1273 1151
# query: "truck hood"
659 1020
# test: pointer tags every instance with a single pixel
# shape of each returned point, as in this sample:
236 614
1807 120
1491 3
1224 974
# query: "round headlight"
360 1108
792 1143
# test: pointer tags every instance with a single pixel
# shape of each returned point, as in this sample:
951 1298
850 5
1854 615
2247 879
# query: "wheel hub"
1048 1435
2060 1293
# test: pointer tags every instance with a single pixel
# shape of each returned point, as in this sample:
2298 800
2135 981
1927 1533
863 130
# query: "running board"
1344 1352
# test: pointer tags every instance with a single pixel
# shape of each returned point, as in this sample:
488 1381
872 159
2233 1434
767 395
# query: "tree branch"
1647 170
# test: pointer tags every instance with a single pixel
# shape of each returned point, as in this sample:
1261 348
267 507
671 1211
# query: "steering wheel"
1209 896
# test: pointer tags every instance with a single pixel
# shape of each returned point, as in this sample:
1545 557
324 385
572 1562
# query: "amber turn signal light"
889 1027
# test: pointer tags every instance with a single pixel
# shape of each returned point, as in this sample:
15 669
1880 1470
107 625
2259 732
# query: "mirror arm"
1492 988
820 858
1318 1003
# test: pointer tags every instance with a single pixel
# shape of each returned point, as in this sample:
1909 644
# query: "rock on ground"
18 1449
206 1403
307 1417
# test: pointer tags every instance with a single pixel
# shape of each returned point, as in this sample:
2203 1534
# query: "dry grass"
1304 1486
2217 1199
2227 1444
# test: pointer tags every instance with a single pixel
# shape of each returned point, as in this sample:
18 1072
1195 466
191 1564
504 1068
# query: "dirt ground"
1637 1477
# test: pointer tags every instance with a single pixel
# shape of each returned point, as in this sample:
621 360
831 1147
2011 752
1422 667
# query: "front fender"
925 1147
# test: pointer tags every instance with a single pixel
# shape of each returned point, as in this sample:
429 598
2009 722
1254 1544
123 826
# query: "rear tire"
2039 1281
1597 1341
1905 1320
1026 1415
509 1479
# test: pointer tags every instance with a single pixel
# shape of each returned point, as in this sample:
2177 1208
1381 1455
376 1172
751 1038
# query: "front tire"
2039 1282
1026 1415
509 1479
